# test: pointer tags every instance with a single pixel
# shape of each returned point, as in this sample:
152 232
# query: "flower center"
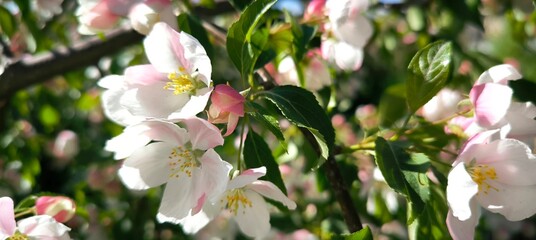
18 236
181 160
236 199
481 174
180 82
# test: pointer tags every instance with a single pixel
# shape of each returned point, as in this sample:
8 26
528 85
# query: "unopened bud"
61 208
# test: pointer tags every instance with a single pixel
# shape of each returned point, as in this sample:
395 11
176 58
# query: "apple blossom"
243 199
227 106
61 208
443 105
175 85
316 72
345 48
36 227
495 174
181 158
144 15
315 9
100 15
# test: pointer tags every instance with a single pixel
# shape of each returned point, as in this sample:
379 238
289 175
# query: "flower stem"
25 212
240 147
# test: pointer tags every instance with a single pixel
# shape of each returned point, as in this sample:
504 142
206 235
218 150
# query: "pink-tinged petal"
144 75
151 162
246 177
460 191
347 57
119 7
228 99
480 138
520 117
203 135
195 105
463 230
60 208
346 32
178 199
196 58
512 160
43 227
513 202
491 101
443 105
7 217
499 74
142 101
214 175
253 221
138 135
269 190
231 124
164 50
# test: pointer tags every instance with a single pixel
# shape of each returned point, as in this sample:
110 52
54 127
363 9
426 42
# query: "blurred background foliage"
484 33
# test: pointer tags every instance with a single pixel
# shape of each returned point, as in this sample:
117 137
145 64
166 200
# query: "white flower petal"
246 177
178 199
43 227
112 82
512 160
152 164
463 230
269 190
520 116
513 202
152 101
214 174
192 224
195 105
355 31
499 74
196 57
460 190
114 110
163 49
253 221
347 57
203 135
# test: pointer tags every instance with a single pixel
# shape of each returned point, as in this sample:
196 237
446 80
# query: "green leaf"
392 105
190 24
240 4
405 174
363 234
431 223
8 23
241 48
302 35
524 90
429 71
300 107
258 154
262 116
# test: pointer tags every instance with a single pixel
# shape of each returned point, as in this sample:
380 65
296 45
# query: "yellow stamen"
18 236
236 198
482 174
180 83
181 160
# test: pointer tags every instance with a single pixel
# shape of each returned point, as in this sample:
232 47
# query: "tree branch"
35 69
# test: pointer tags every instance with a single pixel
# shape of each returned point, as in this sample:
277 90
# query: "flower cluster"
165 143
101 15
495 167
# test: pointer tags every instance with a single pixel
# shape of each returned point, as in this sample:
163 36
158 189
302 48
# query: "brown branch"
349 212
35 69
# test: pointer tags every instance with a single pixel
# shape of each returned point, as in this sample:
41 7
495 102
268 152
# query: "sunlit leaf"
429 71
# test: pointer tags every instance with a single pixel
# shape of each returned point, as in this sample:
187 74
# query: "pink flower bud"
61 208
227 106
